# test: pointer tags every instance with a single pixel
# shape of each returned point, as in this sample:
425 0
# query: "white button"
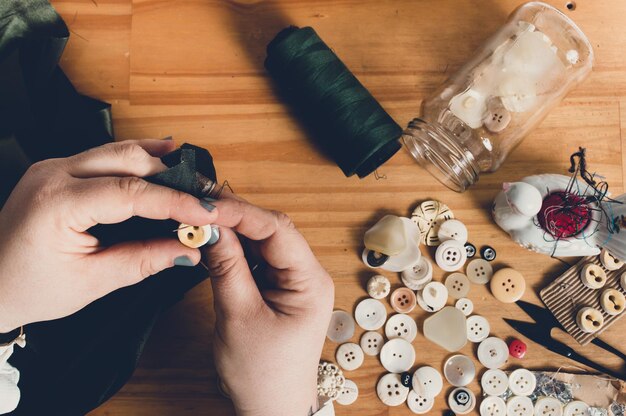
609 261
447 328
427 382
390 390
450 256
479 271
465 305
520 406
419 405
453 230
459 370
477 328
494 382
576 408
349 356
429 216
378 287
371 343
370 314
493 406
341 327
397 355
458 285
493 352
434 297
330 380
548 406
416 277
401 326
461 401
469 107
522 382
348 394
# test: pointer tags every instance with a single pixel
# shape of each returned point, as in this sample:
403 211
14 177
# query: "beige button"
387 236
401 326
593 276
349 356
341 327
349 393
609 261
589 320
612 301
458 285
429 216
508 285
390 390
378 287
498 117
479 271
194 236
371 343
403 300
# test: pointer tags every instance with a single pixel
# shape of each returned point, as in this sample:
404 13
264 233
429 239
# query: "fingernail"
207 205
215 235
209 199
183 261
167 138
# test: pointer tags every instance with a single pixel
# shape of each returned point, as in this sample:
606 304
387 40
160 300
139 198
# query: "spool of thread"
345 120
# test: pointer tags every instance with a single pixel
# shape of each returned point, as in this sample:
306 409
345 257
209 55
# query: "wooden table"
193 69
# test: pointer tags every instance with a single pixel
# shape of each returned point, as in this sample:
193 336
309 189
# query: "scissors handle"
609 348
573 355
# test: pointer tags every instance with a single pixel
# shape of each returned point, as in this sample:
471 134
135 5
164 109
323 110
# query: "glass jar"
472 122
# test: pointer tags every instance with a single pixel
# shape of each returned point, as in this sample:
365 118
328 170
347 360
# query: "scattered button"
494 382
488 253
459 370
458 285
330 380
390 390
341 327
387 236
479 271
492 406
370 314
450 256
447 328
427 382
374 259
407 379
589 320
477 328
548 406
411 253
401 326
517 349
453 230
349 356
403 300
508 285
397 355
609 261
461 401
498 117
522 382
465 305
520 406
433 298
348 394
416 277
429 216
371 343
378 287
593 276
419 405
469 106
493 352
470 249
576 408
194 236
612 301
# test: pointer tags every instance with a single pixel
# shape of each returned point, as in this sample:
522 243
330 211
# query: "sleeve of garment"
326 408
9 377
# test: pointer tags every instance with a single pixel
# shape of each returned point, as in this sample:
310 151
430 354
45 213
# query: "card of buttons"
453 230
576 408
450 256
390 390
458 285
427 382
341 327
401 326
520 406
371 343
378 287
370 314
461 400
429 216
609 261
479 271
493 352
522 382
397 355
548 406
349 356
419 405
494 382
403 300
477 328
492 406
465 305
459 370
349 393
593 276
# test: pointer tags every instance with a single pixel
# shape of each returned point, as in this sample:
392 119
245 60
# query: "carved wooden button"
593 276
589 319
194 236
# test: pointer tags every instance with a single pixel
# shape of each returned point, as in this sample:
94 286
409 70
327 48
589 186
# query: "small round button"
348 394
612 301
371 343
416 277
419 405
576 408
589 320
498 117
493 352
397 355
429 216
465 305
349 356
519 406
492 406
390 390
488 253
341 327
453 230
609 261
522 382
494 382
378 287
433 298
517 349
370 314
373 259
470 249
458 285
427 382
407 379
401 326
593 276
477 328
461 401
548 406
194 236
479 271
403 300
450 256
508 285
459 370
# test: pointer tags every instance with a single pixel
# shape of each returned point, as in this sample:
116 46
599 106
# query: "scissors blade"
532 331
539 314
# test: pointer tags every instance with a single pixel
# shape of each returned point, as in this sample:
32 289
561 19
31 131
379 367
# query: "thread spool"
345 120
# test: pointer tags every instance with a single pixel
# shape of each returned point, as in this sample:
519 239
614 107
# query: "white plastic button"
378 287
453 230
522 382
349 356
433 297
492 406
465 305
419 405
548 406
494 382
593 276
451 256
459 370
479 271
520 406
341 327
401 326
390 390
493 352
397 355
461 400
576 408
348 394
609 261
469 107
477 328
416 277
427 382
458 285
371 343
370 314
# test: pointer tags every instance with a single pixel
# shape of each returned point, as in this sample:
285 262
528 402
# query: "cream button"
378 287
593 276
494 382
349 356
397 355
193 236
493 352
401 326
508 285
348 394
465 305
477 328
609 261
492 406
403 300
447 328
390 390
498 117
548 406
458 285
387 236
461 400
453 230
520 406
522 382
469 107
451 256
427 382
434 297
459 370
612 301
371 343
419 405
370 314
576 408
589 320
416 277
479 271
341 327
429 216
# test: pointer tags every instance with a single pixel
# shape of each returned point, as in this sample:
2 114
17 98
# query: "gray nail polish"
183 261
167 138
215 235
207 205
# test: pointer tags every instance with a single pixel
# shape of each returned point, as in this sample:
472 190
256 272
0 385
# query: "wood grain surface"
193 69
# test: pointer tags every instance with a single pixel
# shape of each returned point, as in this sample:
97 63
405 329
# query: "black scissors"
540 332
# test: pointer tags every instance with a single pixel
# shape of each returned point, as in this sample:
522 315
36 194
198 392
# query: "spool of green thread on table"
345 120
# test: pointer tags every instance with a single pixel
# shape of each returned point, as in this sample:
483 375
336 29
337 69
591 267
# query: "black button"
488 253
406 379
470 249
376 259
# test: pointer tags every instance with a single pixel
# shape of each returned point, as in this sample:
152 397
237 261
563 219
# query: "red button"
517 349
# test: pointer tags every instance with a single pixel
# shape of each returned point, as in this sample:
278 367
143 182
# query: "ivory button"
548 406
427 382
403 300
418 404
451 255
378 287
193 236
493 406
469 107
522 382
479 271
397 355
371 343
401 326
609 261
459 370
390 390
453 230
461 401
477 328
465 305
429 216
593 276
458 285
348 394
589 320
493 352
447 328
387 236
612 301
349 356
418 276
576 408
508 285
494 382
520 406
370 314
341 327
498 117
433 298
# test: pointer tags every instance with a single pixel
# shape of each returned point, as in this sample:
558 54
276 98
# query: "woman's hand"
50 266
268 342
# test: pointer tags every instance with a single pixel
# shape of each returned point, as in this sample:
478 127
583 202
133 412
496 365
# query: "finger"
113 200
127 158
